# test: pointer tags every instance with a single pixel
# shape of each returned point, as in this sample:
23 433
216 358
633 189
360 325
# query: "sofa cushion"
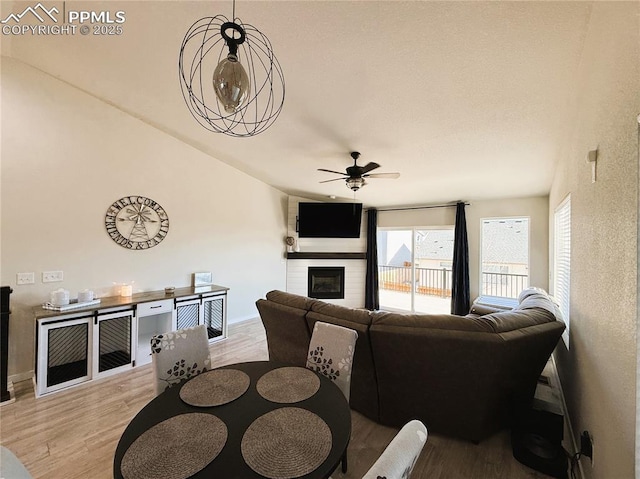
289 299
360 316
481 309
517 319
449 322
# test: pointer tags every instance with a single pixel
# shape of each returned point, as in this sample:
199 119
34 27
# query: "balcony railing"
429 281
437 282
504 285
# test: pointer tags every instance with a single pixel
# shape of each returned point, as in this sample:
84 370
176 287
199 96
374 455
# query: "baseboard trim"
16 378
11 380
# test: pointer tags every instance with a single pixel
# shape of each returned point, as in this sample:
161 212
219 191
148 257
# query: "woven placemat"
288 385
176 448
215 388
286 443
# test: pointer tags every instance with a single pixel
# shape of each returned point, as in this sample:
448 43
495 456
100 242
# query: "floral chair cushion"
179 355
400 456
331 353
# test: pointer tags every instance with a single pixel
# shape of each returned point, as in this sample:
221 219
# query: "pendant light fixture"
231 80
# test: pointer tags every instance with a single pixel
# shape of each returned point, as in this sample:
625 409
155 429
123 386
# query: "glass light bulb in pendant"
231 83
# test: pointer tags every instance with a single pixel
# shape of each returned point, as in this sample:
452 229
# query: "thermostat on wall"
202 279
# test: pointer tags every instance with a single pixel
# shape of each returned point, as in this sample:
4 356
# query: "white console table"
83 344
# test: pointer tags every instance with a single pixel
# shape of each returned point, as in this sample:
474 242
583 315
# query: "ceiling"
467 100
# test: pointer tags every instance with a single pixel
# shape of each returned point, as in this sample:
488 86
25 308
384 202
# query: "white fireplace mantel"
326 255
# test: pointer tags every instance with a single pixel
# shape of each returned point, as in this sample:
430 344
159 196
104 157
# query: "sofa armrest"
482 309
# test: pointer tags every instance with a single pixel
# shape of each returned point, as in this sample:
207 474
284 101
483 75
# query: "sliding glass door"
415 269
395 273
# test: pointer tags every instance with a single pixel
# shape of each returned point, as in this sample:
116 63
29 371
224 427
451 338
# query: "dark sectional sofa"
460 375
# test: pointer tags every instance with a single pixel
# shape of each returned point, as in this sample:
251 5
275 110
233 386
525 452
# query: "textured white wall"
67 156
598 372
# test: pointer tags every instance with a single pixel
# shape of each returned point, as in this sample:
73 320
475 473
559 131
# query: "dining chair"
400 456
10 465
331 354
179 355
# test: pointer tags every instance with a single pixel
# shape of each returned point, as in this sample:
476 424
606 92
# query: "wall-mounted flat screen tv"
329 220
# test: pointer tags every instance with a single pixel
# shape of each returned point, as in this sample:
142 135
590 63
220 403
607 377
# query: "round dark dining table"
327 403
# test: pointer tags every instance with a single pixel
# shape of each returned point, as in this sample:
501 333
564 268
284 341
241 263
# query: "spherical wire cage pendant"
231 80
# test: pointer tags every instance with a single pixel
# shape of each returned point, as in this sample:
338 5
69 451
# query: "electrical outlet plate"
25 278
52 276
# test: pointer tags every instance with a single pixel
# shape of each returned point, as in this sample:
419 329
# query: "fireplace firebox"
326 282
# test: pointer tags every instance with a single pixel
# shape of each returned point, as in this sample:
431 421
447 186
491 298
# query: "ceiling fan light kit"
355 183
355 175
230 78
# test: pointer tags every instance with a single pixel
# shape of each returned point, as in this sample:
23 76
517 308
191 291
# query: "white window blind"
562 261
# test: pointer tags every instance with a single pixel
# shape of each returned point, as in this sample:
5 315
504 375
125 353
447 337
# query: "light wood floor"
74 433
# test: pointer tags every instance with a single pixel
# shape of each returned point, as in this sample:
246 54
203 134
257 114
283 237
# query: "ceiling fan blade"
369 166
383 175
331 171
335 179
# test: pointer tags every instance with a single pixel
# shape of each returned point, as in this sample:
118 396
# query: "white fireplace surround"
354 276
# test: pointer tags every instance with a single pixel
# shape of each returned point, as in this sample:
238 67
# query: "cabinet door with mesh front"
64 353
113 342
187 313
214 316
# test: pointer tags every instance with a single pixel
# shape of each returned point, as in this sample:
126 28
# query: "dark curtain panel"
460 302
371 296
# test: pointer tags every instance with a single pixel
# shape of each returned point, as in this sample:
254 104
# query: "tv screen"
329 220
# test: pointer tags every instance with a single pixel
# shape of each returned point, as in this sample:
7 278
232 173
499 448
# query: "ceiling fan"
355 175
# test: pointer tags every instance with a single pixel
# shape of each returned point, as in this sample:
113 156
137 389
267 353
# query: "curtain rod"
421 207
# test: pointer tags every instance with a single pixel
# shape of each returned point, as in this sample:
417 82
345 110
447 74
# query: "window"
414 269
504 257
562 261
